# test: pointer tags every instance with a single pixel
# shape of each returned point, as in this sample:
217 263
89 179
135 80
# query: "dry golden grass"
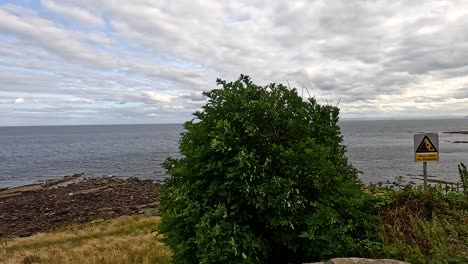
128 239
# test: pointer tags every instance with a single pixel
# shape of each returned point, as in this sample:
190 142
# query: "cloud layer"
102 61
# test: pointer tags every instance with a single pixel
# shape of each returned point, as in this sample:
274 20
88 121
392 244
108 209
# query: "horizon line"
342 118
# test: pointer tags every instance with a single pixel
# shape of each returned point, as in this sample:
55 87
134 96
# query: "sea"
382 150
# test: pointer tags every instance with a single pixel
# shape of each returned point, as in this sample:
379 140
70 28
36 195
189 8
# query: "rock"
456 132
364 261
25 234
25 213
53 182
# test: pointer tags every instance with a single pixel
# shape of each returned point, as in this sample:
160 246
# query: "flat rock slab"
27 210
8 192
456 132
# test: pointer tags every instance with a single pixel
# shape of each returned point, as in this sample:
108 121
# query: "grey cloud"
462 93
428 99
54 39
28 83
153 59
443 49
194 97
190 77
102 115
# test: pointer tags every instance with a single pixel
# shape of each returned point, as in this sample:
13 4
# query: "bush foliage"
264 179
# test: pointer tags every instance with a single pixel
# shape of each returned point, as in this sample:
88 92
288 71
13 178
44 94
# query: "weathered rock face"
361 261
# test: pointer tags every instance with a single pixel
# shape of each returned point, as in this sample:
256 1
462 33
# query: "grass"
425 226
128 239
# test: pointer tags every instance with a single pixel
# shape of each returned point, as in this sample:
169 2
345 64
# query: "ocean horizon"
381 149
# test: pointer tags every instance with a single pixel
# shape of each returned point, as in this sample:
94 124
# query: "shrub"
264 179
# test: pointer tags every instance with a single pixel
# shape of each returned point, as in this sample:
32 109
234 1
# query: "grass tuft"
128 239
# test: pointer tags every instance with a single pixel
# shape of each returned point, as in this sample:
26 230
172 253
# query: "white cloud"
19 100
76 100
158 97
153 58
74 12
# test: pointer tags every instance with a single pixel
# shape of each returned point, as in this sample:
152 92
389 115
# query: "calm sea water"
382 150
29 154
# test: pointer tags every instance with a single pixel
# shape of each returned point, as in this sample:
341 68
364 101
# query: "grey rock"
364 261
360 261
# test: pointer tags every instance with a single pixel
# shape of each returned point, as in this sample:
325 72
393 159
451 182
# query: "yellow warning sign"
426 146
427 156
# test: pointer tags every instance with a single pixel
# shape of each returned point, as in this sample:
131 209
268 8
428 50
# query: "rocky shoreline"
456 132
29 209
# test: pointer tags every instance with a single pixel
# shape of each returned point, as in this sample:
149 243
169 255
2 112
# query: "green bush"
264 179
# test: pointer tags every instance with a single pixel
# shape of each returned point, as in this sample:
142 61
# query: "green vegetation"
424 226
463 178
264 179
124 240
417 226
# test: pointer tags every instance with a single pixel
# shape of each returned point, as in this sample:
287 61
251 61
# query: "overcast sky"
142 61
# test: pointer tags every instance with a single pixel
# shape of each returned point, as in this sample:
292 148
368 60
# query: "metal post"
425 174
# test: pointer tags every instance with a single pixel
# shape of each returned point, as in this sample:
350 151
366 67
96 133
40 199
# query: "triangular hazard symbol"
426 146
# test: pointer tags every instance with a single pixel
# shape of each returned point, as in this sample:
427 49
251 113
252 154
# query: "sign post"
426 149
